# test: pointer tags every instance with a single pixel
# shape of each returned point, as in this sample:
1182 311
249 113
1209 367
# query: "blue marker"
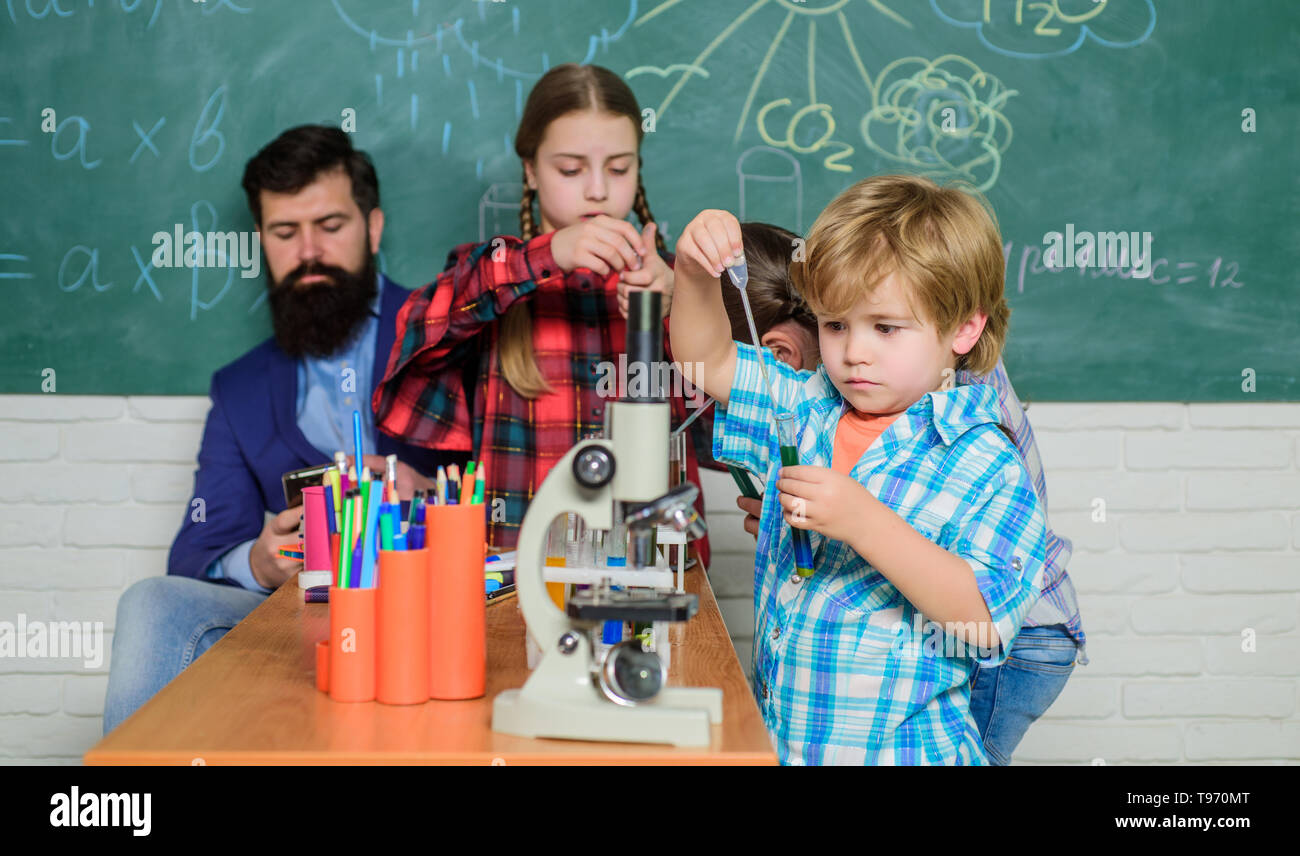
356 435
368 535
415 534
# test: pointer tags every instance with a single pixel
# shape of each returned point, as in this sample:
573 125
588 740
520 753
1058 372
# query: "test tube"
676 476
575 534
555 556
616 540
788 439
676 460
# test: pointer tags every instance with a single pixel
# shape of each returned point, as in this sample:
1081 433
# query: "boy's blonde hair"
943 242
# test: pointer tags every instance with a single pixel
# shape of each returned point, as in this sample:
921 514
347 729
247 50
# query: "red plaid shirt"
445 363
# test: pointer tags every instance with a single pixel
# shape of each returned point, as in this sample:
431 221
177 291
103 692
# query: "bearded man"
284 405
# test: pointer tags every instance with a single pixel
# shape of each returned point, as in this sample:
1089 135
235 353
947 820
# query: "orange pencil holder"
457 606
323 666
352 643
402 615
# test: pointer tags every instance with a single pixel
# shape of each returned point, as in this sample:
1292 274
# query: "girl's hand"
709 243
819 498
654 275
601 244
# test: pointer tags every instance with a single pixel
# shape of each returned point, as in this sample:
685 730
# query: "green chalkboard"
1177 119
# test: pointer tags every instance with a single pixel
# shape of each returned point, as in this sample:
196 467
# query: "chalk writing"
1223 272
208 127
79 147
1038 30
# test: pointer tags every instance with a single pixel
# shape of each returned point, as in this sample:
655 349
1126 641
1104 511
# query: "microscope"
575 693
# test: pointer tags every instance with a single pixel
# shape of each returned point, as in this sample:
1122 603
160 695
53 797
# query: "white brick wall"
92 490
1200 545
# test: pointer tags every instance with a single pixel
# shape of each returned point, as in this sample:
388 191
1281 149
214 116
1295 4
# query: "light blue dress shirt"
329 389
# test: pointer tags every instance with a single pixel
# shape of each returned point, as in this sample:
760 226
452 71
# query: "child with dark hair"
785 324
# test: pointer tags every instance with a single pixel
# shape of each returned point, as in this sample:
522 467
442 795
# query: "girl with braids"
507 354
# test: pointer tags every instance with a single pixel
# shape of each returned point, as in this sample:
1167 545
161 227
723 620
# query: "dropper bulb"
738 270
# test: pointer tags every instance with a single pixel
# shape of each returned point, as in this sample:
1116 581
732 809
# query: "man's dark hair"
294 159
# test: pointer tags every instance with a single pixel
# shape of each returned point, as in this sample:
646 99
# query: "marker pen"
391 474
356 434
341 460
415 535
386 526
453 484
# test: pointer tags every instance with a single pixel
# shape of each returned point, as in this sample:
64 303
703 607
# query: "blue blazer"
252 438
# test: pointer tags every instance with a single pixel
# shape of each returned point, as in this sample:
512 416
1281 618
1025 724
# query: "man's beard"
319 318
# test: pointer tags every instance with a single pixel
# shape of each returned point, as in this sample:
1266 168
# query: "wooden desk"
252 699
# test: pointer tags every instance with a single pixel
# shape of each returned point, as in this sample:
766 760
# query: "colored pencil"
479 487
345 546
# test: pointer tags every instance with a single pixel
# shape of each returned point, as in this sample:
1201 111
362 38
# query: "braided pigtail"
642 209
515 347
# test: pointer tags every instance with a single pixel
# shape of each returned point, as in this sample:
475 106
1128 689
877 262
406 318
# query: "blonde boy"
927 534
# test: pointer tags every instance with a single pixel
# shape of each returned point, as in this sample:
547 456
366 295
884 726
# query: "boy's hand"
654 275
820 498
601 244
708 244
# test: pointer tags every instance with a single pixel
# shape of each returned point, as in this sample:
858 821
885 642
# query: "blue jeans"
163 625
1005 700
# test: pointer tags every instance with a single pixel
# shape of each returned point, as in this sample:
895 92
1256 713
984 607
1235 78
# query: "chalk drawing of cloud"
942 118
1049 28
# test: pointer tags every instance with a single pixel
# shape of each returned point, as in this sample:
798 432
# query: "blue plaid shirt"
845 670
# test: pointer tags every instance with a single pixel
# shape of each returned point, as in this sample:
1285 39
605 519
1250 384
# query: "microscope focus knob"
593 467
630 674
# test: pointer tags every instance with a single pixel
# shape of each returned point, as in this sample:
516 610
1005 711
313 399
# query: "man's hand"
820 498
601 244
408 480
270 569
654 275
752 508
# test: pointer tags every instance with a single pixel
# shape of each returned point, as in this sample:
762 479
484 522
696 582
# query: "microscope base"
680 716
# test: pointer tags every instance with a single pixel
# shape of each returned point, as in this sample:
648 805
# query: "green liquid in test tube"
785 427
803 557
